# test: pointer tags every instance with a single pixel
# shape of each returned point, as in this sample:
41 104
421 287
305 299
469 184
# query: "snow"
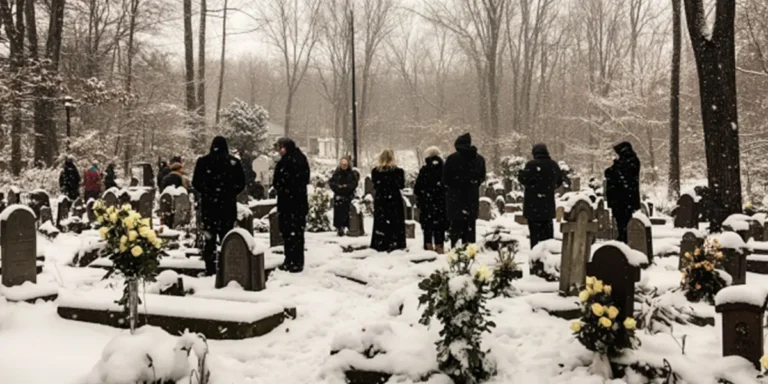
13 208
691 191
28 291
255 203
738 222
747 294
643 219
135 193
635 258
572 198
243 212
174 191
729 240
253 245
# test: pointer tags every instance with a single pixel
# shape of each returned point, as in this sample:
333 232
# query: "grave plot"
544 260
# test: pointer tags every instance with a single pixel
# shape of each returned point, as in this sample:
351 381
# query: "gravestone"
275 237
166 211
512 208
62 213
689 244
123 197
639 238
78 208
490 192
19 247
368 187
578 234
507 185
144 207
485 210
262 208
37 200
410 229
756 230
110 199
182 211
576 184
686 213
45 215
501 205
742 323
559 214
134 182
610 265
481 190
246 222
603 218
644 209
238 263
407 208
147 175
734 260
650 209
356 228
89 210
13 197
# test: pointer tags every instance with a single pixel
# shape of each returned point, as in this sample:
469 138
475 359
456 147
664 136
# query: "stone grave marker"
407 208
651 209
123 197
490 192
410 229
262 208
62 213
356 228
368 187
110 199
500 205
639 238
45 215
275 237
644 209
603 221
482 190
686 213
519 199
166 211
145 204
610 265
246 222
238 263
578 233
182 211
89 210
734 259
485 210
689 244
78 208
507 185
559 214
37 200
147 176
512 208
756 230
742 323
19 246
13 197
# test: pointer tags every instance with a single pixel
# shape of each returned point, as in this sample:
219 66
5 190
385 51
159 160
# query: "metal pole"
69 127
354 93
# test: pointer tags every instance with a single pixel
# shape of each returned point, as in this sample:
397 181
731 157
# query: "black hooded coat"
540 177
69 180
623 180
162 173
110 179
430 194
343 183
388 211
291 180
463 173
218 179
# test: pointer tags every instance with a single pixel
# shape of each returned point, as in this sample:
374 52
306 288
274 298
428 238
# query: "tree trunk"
674 104
222 64
201 63
288 107
38 93
14 30
716 65
189 57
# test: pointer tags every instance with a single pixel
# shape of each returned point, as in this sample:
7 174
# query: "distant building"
275 131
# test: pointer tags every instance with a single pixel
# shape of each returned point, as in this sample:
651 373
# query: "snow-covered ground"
39 347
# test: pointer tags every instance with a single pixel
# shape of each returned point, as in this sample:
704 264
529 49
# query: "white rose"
483 273
472 250
451 257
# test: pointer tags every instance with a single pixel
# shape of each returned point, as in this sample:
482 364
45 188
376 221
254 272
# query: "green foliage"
505 271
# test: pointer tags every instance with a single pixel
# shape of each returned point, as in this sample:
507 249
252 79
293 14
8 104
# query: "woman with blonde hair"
430 194
388 212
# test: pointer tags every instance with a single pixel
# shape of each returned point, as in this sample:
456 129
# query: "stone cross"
610 265
275 237
742 326
238 263
686 213
640 238
356 228
19 247
578 235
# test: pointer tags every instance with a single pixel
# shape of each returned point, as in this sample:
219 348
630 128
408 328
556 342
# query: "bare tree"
201 62
14 29
674 102
189 58
222 64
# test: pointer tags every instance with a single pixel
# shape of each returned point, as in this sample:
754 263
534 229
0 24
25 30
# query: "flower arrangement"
506 271
319 205
602 328
701 281
457 298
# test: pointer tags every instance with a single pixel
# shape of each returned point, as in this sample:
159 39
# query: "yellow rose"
100 219
132 236
584 296
472 250
764 361
607 289
613 312
123 240
113 218
111 210
590 291
129 222
688 255
605 322
598 309
126 207
104 232
598 286
576 326
158 243
145 222
123 248
151 236
590 280
697 252
629 323
136 251
143 231
483 273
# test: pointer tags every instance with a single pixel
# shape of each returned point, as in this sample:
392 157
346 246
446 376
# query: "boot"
429 247
439 249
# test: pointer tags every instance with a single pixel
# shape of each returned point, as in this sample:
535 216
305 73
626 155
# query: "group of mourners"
93 181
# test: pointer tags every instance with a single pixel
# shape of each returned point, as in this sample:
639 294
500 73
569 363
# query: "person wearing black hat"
218 179
540 177
623 187
290 181
463 173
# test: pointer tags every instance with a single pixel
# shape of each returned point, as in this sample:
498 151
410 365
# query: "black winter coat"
290 181
110 179
162 173
540 177
623 180
343 183
463 173
218 179
388 211
430 194
69 181
171 179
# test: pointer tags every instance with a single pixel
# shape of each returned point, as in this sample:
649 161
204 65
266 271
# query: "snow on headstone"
18 245
743 309
239 263
578 233
639 235
735 254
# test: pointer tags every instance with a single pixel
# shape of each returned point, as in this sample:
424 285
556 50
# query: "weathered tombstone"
603 221
756 230
89 211
19 246
123 197
147 175
145 205
355 221
37 200
62 213
576 184
410 229
275 237
482 190
490 192
650 209
611 265
578 232
368 187
688 245
734 260
238 263
507 185
166 211
182 211
110 199
245 220
134 182
559 214
686 213
500 205
639 237
407 208
485 209
742 309
13 197
45 215
78 208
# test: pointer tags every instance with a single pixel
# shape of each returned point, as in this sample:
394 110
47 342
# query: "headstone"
559 214
500 205
45 215
78 208
407 208
275 237
262 208
356 228
576 184
490 193
165 211
756 230
110 199
651 209
734 260
507 185
145 205
485 210
610 265
134 182
19 247
123 197
238 263
368 187
182 211
689 244
578 233
246 221
686 213
147 175
482 189
639 238
742 323
62 213
603 221
644 209
512 208
37 200
89 211
13 196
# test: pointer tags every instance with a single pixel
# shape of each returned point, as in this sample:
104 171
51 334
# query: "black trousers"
214 233
622 220
435 237
292 227
540 231
463 230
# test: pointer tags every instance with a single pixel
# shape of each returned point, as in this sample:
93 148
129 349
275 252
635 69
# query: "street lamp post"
354 91
68 106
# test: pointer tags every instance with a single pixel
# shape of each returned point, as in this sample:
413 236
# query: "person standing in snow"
176 178
250 175
163 170
430 198
290 181
388 211
623 187
540 177
110 179
218 179
463 173
92 181
343 183
69 180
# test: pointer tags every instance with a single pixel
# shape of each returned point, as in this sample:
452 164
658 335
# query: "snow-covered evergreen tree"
319 205
245 126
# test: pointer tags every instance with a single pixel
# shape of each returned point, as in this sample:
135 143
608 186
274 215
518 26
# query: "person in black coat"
69 180
463 173
110 178
218 179
623 187
290 181
250 175
540 177
343 183
430 198
163 171
388 211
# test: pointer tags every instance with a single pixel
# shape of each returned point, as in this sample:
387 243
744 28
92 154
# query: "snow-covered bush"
319 206
511 167
457 297
506 270
598 329
245 126
701 281
567 173
545 261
